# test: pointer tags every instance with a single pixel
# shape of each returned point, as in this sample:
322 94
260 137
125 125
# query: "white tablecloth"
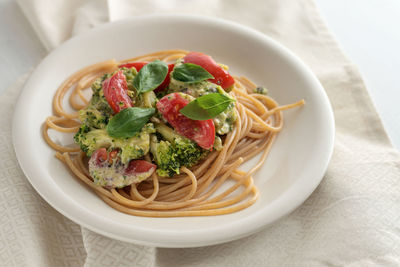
351 219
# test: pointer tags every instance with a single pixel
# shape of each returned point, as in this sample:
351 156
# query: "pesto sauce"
114 176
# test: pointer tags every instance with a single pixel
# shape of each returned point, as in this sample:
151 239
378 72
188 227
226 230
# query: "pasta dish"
165 134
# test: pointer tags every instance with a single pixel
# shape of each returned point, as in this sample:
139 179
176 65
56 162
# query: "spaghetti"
202 190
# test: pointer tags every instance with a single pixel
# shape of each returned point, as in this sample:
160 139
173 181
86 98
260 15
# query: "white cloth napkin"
352 219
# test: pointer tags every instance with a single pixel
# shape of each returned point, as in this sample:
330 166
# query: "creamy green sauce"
114 176
218 143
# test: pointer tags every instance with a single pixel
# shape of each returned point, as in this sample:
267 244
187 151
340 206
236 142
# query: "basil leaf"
128 121
207 106
150 76
190 73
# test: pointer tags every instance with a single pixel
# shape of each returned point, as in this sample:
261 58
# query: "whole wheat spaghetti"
197 191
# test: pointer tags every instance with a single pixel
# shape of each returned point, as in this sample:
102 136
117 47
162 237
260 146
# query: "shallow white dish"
294 168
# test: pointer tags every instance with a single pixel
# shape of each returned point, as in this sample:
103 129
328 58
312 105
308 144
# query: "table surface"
366 31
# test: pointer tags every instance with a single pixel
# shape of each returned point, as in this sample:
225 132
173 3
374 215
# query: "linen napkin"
352 218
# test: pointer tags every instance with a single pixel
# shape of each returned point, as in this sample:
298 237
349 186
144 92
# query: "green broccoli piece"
80 137
165 157
174 152
93 118
188 152
98 112
129 148
261 90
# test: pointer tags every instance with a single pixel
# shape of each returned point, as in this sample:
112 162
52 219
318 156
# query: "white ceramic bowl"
292 171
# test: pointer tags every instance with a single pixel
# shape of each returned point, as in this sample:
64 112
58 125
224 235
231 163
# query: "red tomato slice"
202 132
137 167
100 156
139 65
114 89
221 76
165 83
136 65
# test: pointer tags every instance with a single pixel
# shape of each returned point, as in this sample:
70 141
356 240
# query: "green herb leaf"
128 121
150 76
207 106
190 73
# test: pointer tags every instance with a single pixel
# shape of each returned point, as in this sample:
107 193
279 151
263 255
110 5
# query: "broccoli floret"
173 153
129 148
261 90
93 118
80 137
188 152
165 157
98 112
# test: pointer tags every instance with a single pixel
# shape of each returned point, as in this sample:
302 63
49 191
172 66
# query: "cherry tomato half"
202 132
100 156
221 76
137 167
136 65
114 89
139 65
165 83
